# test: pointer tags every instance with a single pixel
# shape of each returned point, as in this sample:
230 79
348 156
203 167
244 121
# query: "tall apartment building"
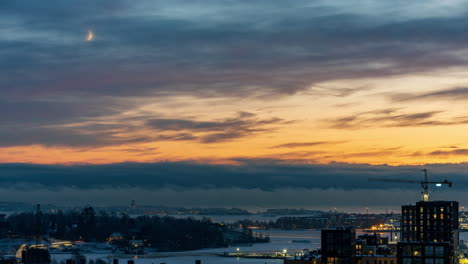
429 233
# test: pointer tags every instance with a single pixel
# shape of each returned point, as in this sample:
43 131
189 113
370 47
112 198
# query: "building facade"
429 233
338 246
425 252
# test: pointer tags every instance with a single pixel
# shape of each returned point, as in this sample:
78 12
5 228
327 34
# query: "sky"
375 85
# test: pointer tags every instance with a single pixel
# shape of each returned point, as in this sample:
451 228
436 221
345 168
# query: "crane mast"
424 184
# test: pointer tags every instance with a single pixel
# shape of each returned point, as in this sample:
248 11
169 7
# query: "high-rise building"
429 233
338 245
430 221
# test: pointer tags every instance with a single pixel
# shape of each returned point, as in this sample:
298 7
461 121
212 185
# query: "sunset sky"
230 82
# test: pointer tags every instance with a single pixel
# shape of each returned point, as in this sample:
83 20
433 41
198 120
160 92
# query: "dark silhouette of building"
368 245
35 255
338 245
429 233
374 249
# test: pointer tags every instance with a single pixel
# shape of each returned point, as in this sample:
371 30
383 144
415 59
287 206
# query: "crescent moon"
90 36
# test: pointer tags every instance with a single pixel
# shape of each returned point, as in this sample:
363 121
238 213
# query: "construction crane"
424 184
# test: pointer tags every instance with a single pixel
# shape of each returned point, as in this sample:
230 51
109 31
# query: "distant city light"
439 184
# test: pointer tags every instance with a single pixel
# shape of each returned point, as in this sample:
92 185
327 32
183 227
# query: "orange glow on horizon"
366 127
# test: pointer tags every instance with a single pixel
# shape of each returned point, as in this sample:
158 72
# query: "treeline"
163 233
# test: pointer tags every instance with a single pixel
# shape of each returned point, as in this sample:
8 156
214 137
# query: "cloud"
255 48
455 152
229 49
251 184
248 174
458 93
304 144
120 130
391 118
243 125
253 199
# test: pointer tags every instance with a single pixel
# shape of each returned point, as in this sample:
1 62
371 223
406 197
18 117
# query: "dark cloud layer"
253 199
267 175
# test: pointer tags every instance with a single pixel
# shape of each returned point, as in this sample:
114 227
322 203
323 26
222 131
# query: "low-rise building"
338 245
136 247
